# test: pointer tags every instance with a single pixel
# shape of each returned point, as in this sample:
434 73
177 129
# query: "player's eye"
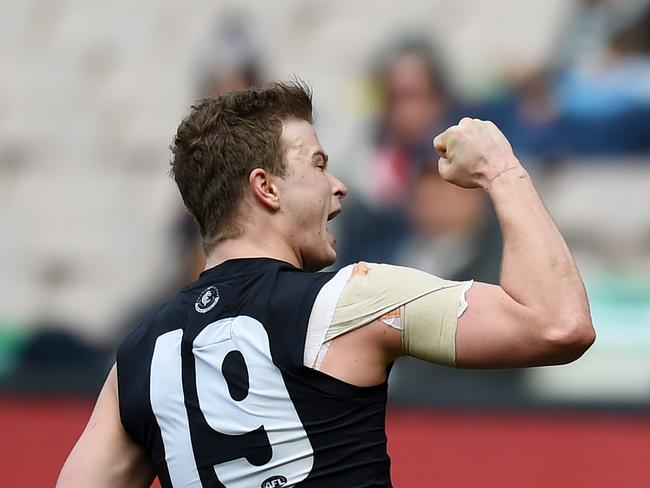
321 162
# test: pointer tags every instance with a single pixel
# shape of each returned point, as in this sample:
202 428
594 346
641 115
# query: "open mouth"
331 216
334 214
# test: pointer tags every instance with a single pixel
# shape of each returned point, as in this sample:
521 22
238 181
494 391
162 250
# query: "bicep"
105 456
495 331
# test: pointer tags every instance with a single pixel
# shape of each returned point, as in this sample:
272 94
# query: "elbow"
569 338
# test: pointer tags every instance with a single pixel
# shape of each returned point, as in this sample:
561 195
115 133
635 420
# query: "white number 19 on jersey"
267 404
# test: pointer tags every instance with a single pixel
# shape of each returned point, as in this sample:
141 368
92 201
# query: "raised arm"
539 313
104 455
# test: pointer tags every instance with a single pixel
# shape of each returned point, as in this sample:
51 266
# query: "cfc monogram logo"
207 300
274 482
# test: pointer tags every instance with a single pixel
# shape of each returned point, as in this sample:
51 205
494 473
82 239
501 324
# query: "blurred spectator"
231 59
408 215
594 99
605 97
453 231
415 105
612 75
528 114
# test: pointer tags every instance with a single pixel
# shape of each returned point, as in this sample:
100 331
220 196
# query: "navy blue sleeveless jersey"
213 387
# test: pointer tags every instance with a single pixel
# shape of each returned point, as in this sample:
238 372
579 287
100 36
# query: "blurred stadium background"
94 234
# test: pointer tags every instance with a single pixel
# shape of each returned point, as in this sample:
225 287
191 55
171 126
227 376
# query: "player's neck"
247 247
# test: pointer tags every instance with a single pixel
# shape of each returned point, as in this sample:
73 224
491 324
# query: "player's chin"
330 243
331 255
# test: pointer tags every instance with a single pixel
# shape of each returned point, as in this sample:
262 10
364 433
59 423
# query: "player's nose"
338 188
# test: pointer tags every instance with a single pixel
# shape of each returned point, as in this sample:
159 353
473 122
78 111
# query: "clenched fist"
473 153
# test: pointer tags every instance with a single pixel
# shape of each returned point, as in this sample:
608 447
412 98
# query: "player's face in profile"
310 195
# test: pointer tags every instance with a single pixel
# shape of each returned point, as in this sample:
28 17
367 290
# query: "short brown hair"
222 140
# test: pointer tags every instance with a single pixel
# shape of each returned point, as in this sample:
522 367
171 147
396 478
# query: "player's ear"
264 188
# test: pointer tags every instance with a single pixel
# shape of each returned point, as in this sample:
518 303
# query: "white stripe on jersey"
168 405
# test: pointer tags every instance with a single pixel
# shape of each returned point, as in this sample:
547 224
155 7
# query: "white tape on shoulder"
376 289
322 313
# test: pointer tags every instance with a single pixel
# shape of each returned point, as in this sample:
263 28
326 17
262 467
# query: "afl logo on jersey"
207 300
274 482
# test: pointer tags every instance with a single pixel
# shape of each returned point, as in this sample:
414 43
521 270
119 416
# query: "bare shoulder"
105 455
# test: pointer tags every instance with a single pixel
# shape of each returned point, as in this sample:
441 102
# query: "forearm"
540 314
537 268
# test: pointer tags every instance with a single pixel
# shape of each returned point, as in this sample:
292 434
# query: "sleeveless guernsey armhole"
322 313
